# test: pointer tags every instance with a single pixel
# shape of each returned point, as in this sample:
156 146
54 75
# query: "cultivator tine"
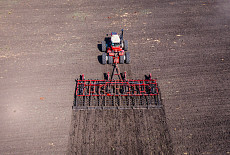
103 101
118 101
132 101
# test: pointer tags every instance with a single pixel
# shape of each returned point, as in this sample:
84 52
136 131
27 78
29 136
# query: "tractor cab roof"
115 38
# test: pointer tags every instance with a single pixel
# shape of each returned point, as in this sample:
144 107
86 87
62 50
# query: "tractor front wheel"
103 46
103 58
126 45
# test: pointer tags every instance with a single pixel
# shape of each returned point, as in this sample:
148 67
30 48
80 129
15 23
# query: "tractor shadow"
99 46
99 58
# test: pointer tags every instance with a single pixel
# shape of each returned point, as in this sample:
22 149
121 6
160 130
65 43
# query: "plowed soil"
142 131
45 45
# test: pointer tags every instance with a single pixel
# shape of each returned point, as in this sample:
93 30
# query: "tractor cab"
115 41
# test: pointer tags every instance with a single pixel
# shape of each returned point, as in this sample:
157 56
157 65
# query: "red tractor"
114 48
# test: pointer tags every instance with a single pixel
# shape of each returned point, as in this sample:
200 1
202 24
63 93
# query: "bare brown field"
45 45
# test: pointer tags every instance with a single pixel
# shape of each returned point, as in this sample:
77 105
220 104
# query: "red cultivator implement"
121 94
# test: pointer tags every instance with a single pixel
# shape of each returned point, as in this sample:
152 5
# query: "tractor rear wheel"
121 59
127 57
126 45
103 46
110 61
103 58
